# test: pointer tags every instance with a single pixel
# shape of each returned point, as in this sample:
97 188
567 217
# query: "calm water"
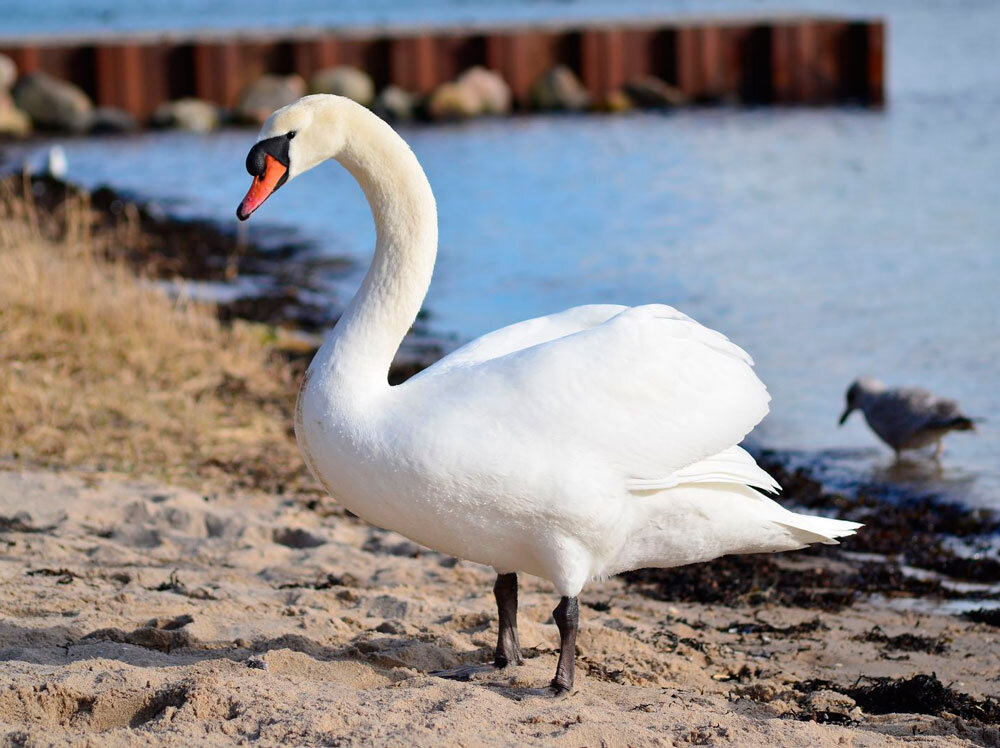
829 243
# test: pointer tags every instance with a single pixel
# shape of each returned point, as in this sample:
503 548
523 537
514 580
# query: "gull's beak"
264 184
843 416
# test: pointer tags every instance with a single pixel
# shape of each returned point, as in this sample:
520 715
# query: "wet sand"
137 613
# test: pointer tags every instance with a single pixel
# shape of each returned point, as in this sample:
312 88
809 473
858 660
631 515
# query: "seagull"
905 417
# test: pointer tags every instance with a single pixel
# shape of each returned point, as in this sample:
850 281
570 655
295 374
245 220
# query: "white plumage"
572 447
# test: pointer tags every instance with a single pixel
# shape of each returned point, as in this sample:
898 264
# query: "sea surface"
828 242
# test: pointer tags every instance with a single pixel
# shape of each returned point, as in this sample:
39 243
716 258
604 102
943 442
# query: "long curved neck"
358 353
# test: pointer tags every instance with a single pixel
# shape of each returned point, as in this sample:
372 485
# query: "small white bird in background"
905 417
56 164
51 162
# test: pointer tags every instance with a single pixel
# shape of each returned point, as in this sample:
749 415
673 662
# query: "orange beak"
262 187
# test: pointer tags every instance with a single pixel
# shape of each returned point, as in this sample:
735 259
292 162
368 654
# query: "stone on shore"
54 104
616 101
13 122
558 89
394 104
450 101
108 120
269 92
8 73
489 88
346 81
189 114
650 92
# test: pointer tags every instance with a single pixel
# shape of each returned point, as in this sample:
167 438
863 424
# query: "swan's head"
292 141
857 392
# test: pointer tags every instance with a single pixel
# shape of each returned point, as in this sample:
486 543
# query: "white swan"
571 447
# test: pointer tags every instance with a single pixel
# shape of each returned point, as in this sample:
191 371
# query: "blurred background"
835 223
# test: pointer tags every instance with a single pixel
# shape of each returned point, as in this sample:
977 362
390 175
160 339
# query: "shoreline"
906 549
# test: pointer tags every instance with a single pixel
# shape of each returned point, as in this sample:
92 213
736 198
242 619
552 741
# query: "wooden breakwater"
761 60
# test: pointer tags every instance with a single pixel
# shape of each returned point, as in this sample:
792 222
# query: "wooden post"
120 75
413 63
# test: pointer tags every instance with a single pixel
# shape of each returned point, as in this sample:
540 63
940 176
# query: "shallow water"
829 243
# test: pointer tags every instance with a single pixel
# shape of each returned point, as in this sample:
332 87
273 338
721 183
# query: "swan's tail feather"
733 465
819 529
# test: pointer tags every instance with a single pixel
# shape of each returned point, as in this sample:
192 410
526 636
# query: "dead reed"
99 368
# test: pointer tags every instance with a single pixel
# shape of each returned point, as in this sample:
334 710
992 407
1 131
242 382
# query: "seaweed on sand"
919 694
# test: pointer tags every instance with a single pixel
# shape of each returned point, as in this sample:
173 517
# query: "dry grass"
100 369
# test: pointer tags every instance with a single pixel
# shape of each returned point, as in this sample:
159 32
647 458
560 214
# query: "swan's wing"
526 334
648 393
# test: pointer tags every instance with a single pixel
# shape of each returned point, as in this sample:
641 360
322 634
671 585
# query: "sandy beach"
137 613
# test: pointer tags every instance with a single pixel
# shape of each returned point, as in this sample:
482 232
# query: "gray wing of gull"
899 414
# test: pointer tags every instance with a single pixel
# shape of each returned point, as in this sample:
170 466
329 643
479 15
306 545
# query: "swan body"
571 447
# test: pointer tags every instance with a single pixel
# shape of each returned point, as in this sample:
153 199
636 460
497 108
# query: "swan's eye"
291 134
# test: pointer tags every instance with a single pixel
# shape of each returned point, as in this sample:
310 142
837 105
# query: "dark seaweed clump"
761 627
905 642
989 616
911 531
920 694
758 580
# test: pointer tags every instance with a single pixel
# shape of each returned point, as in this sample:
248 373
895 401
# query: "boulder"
269 92
559 89
53 103
190 114
346 81
491 89
451 101
8 73
107 120
650 92
394 104
13 122
826 703
616 101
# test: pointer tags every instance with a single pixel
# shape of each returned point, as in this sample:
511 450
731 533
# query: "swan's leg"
939 449
567 615
508 651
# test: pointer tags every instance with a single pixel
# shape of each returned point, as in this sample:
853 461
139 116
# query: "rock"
491 90
190 114
395 105
651 92
13 121
559 89
53 103
451 101
827 702
387 607
391 627
108 120
346 81
617 101
8 73
267 93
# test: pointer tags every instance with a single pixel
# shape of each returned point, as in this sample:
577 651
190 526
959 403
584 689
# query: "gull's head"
292 141
860 388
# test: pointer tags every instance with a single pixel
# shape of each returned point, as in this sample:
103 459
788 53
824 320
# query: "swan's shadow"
64 645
